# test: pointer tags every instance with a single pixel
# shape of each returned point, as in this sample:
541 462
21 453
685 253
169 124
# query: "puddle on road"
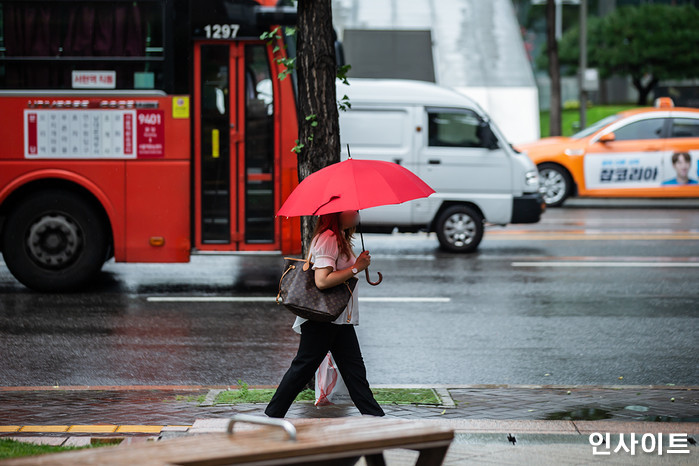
580 414
597 414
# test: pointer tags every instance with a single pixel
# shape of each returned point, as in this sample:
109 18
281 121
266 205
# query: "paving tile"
44 428
96 429
77 441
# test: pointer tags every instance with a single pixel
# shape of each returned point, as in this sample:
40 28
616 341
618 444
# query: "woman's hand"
326 278
363 261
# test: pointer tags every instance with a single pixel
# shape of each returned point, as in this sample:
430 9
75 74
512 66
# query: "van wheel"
54 241
556 184
460 229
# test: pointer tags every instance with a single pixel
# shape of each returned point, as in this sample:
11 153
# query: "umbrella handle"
369 280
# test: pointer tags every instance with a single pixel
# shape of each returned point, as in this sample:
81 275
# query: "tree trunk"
643 91
554 69
317 69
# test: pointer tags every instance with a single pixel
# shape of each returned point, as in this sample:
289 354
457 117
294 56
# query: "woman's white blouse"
326 253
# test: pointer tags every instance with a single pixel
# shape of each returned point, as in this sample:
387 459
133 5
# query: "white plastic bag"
330 388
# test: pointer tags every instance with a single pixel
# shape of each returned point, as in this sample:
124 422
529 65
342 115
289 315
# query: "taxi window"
651 128
685 128
454 129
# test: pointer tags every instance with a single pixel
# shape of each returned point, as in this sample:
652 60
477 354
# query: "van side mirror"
609 137
487 137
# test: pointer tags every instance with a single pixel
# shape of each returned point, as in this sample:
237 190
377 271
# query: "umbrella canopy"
353 185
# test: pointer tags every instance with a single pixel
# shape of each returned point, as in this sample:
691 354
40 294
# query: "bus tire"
556 182
55 240
459 228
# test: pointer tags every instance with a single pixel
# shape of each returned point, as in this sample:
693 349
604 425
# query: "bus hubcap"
459 229
54 241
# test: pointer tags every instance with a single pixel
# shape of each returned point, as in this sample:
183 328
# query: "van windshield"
595 126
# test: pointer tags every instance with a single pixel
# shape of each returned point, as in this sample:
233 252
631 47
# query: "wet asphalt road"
537 304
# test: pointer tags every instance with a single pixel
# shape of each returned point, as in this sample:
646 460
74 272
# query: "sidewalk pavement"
550 424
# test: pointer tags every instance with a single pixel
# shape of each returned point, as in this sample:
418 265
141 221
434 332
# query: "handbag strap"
307 262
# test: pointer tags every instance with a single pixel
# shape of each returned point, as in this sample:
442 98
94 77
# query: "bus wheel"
54 241
556 183
460 229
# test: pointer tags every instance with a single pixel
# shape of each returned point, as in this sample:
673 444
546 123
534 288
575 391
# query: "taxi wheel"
459 229
54 241
556 184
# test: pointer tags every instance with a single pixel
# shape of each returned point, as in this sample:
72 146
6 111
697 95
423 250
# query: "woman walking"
334 263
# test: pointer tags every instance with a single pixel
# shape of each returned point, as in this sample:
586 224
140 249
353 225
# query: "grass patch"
406 396
263 395
570 116
14 449
190 398
382 395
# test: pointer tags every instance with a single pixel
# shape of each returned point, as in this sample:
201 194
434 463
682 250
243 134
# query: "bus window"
259 147
215 145
81 44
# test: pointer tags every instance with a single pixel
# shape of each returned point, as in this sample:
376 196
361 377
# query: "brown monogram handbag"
299 293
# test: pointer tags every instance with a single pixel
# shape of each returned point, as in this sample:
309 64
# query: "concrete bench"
332 442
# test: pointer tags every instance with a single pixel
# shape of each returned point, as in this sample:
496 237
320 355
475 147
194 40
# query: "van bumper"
528 208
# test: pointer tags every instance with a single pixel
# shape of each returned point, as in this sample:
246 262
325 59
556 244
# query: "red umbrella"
354 185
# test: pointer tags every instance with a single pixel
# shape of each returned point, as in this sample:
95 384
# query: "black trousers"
317 338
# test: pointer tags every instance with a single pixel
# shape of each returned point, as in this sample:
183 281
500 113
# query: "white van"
447 139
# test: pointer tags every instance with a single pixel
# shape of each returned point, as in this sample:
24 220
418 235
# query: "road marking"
406 300
589 237
258 299
404 256
609 221
210 299
604 264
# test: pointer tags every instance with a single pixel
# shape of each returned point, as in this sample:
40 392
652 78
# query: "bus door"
236 173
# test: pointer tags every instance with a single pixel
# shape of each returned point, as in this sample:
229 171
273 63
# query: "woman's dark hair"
344 238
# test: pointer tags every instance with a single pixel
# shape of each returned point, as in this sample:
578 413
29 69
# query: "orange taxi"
644 152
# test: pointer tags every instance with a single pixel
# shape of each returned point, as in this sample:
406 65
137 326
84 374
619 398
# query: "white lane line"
253 299
605 264
421 257
610 221
406 300
209 299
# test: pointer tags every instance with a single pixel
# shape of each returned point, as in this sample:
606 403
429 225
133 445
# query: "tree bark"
643 91
316 69
554 69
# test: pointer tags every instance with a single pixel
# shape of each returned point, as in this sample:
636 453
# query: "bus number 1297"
221 31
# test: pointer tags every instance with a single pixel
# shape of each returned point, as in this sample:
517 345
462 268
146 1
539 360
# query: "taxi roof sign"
664 102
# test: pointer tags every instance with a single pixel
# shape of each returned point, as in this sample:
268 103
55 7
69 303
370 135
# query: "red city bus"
141 130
